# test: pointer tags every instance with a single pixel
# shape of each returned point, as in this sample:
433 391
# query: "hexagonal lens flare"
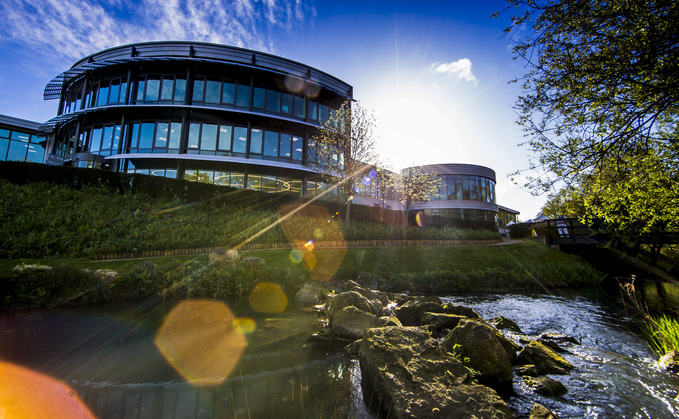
199 340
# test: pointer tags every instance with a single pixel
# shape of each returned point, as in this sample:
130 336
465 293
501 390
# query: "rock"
540 412
351 298
252 261
354 348
368 293
479 343
552 345
529 370
460 311
391 321
406 374
223 256
504 323
510 347
545 386
106 275
546 361
310 294
350 322
669 362
410 313
441 321
558 338
26 268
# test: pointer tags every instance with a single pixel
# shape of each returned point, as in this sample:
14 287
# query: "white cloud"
460 69
73 29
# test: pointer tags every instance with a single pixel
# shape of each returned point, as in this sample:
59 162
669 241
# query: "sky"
436 74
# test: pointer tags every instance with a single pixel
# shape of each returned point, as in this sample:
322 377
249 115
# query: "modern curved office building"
196 111
466 192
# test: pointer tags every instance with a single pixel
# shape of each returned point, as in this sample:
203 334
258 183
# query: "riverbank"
426 269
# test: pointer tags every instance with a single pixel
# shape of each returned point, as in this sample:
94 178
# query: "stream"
109 357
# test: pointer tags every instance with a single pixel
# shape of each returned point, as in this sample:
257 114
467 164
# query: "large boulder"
350 322
503 323
368 293
311 294
406 374
351 298
441 321
460 311
480 344
223 257
545 360
410 313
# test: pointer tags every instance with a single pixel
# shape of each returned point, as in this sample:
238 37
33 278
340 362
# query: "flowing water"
111 358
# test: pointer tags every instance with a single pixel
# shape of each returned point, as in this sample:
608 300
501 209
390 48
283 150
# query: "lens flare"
293 84
296 256
299 222
372 174
268 297
419 219
311 90
244 325
28 394
199 340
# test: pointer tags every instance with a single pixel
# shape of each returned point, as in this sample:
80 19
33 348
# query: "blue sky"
435 73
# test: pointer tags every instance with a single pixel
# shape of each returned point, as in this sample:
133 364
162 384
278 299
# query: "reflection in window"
175 136
256 141
225 137
271 144
243 96
240 140
258 98
208 138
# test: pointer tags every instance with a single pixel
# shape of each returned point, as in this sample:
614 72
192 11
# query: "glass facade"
205 91
466 187
20 145
194 111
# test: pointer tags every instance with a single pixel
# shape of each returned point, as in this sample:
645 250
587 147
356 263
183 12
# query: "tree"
600 106
415 185
566 203
343 149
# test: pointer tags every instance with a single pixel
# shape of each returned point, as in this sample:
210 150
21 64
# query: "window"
228 93
225 132
102 94
324 113
256 141
300 110
258 98
179 90
160 141
175 136
212 91
146 137
297 148
271 144
243 96
273 101
313 110
208 139
152 90
194 138
255 182
95 140
166 89
240 140
284 146
286 103
198 88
